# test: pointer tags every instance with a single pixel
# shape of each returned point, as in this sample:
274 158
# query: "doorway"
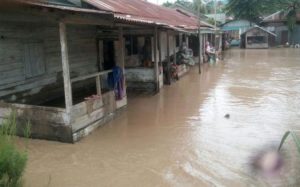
108 55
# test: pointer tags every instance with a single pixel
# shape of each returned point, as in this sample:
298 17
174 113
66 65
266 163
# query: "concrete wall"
140 79
55 124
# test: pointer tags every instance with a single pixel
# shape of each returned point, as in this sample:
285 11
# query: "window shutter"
34 59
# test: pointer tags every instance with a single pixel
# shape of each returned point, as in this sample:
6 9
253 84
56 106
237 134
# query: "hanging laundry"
115 81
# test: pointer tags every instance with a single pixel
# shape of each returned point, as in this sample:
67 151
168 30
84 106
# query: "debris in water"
227 116
268 163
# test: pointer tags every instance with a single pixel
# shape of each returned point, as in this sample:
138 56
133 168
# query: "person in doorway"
210 52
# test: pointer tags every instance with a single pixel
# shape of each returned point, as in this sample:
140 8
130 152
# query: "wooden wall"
16 85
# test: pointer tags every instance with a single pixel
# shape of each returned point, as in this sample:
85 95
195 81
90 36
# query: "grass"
294 137
12 161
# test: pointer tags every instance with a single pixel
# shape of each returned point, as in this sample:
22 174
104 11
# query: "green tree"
167 4
254 10
193 6
245 9
291 7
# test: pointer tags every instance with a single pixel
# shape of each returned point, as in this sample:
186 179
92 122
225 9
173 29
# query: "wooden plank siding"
15 86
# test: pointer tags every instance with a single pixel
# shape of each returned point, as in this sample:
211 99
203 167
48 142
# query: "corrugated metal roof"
257 27
145 12
278 17
46 3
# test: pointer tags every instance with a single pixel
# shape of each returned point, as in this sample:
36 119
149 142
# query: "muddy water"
181 138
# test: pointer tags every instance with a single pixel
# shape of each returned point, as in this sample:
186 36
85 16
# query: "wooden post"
156 67
180 39
175 57
65 67
159 50
121 42
187 40
122 56
169 60
200 49
160 66
98 85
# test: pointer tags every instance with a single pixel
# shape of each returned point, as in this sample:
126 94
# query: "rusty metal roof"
48 4
145 12
279 16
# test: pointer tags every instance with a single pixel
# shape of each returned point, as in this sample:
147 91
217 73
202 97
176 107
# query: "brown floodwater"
180 137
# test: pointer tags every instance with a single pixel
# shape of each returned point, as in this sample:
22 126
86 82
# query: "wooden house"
50 68
56 57
277 23
257 38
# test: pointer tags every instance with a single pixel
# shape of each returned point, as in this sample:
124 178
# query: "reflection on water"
181 138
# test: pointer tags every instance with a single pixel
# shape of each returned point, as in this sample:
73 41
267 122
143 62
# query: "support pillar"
156 67
159 51
122 56
200 49
175 57
169 60
65 67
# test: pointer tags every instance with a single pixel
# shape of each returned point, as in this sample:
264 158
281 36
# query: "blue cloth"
115 81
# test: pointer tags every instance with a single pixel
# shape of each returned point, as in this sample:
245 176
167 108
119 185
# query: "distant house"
208 31
221 17
277 23
257 38
233 29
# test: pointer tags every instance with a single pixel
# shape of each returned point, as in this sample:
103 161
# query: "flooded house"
51 74
277 23
208 33
257 38
153 43
66 65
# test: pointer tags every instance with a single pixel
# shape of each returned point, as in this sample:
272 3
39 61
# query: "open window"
256 39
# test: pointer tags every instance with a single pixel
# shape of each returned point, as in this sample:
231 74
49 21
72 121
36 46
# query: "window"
256 39
131 45
34 59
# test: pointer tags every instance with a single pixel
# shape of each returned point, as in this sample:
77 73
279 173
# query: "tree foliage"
254 10
204 6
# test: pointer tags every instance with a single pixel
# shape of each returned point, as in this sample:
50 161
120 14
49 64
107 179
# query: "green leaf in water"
295 139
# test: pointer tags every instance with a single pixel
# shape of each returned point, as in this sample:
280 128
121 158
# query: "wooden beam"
122 56
121 46
98 85
90 76
65 67
156 67
175 57
159 56
200 49
169 60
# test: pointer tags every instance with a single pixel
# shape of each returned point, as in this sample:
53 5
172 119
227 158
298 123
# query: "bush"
12 161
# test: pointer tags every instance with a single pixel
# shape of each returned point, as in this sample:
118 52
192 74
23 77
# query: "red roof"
145 12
